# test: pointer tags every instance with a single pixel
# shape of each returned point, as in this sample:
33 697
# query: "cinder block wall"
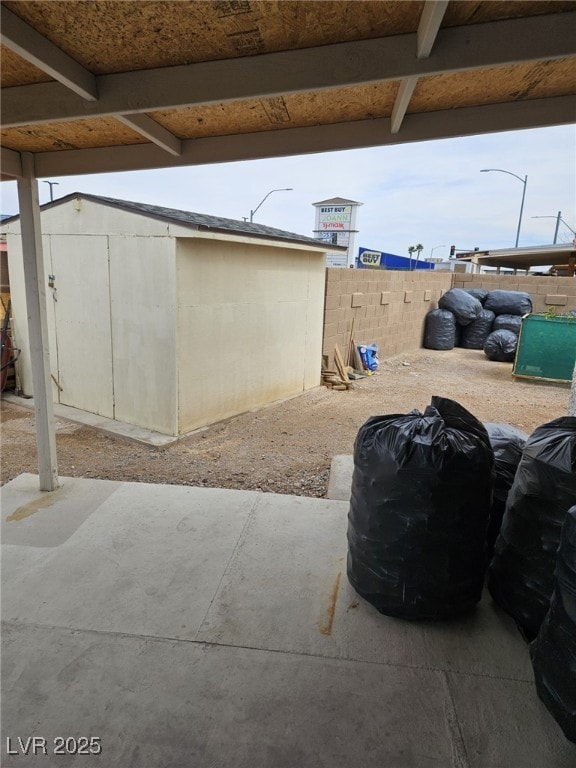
546 292
386 308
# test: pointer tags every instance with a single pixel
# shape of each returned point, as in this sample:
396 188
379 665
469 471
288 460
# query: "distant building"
336 224
368 258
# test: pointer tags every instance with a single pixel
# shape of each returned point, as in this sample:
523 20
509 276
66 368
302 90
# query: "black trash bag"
500 346
465 307
458 336
508 302
421 495
553 653
521 574
475 333
507 443
478 293
508 323
440 330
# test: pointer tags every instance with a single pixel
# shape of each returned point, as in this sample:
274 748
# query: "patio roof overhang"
90 87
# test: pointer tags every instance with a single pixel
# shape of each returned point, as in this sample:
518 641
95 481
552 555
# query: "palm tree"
417 249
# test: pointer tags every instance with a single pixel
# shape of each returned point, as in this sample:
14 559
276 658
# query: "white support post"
37 323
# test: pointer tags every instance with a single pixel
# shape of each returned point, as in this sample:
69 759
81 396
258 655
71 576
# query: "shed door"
82 315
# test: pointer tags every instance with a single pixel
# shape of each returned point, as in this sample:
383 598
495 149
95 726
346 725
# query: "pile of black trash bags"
478 319
440 501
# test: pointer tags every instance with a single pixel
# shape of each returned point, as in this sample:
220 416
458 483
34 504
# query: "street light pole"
524 182
284 189
52 184
434 248
556 228
559 219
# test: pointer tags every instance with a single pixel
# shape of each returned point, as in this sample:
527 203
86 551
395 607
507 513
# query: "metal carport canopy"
101 87
524 258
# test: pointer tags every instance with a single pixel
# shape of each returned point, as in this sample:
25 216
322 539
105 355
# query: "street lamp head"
282 189
559 219
524 182
501 170
52 185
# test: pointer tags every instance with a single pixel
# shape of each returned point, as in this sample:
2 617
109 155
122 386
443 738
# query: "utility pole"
52 184
558 220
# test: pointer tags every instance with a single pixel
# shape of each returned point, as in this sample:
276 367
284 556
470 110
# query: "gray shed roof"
197 221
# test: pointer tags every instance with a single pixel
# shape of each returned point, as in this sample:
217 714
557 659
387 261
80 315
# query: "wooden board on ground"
357 362
340 364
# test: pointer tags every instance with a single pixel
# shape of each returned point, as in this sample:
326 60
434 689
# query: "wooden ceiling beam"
467 121
149 128
428 29
310 69
32 46
403 97
11 162
429 26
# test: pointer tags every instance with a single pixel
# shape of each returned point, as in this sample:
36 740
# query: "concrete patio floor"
216 628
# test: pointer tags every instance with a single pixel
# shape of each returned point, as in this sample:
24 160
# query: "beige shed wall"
249 326
81 303
20 313
143 317
140 398
113 344
85 217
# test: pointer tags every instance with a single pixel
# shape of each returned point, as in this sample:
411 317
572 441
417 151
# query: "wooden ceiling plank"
153 131
392 58
467 121
293 110
428 28
429 25
17 71
517 82
107 37
120 36
23 39
80 134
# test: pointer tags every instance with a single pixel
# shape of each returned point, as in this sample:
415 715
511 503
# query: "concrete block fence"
546 292
377 306
389 307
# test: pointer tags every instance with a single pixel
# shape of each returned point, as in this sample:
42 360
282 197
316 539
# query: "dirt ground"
288 447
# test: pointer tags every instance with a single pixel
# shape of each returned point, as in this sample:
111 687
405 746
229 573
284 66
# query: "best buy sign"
370 258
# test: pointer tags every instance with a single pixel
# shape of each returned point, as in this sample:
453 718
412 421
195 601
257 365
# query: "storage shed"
168 319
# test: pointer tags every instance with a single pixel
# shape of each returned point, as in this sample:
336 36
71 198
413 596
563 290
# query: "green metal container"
546 348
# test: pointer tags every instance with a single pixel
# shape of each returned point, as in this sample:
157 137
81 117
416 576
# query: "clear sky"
428 192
